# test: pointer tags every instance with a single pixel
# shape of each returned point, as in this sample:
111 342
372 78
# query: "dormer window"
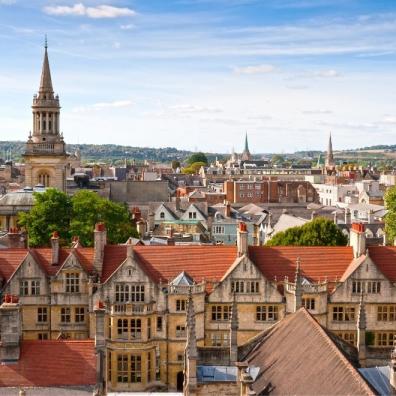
162 215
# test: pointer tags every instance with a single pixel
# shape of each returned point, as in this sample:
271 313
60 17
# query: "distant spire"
246 142
329 154
46 82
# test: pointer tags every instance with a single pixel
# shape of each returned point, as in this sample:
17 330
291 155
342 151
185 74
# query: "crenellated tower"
45 156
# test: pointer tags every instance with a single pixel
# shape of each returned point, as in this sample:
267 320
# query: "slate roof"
51 363
297 357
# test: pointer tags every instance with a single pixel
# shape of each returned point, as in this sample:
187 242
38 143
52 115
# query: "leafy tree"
193 168
390 218
318 232
89 208
175 164
51 212
54 210
277 159
197 157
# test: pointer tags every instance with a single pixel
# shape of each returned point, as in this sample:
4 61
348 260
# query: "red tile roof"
385 259
43 257
85 257
114 255
200 262
316 262
10 259
51 363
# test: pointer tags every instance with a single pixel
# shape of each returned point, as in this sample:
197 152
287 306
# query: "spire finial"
45 42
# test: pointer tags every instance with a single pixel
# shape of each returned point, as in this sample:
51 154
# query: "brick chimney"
141 228
55 248
242 239
100 240
227 209
357 239
10 329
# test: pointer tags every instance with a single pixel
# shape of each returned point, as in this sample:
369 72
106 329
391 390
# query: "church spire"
45 81
246 153
246 142
329 155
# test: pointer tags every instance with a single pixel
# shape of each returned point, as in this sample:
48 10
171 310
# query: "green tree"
175 164
197 157
51 212
277 159
88 208
390 218
193 168
318 232
54 210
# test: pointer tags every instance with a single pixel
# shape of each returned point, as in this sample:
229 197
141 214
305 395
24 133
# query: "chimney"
100 346
347 216
15 239
10 329
151 222
392 376
141 228
55 248
177 203
100 241
357 239
227 209
242 239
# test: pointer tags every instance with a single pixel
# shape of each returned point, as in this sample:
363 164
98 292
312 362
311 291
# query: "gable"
244 270
364 271
193 213
167 214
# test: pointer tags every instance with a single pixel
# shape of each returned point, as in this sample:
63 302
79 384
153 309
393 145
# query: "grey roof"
183 279
378 377
216 373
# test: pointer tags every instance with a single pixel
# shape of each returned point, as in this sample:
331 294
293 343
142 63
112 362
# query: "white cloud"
389 120
79 9
7 2
257 69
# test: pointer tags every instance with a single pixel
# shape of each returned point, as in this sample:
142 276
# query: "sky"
199 74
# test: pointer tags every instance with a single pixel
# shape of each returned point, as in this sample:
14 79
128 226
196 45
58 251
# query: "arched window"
44 179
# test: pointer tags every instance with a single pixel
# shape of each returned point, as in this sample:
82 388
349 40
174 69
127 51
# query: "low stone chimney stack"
242 239
10 329
100 240
347 216
141 228
357 239
55 248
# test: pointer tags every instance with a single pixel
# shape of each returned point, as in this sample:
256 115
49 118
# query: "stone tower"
246 156
330 164
46 160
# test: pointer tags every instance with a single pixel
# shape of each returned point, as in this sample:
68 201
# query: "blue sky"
197 74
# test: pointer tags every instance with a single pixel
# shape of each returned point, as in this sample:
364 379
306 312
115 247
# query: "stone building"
143 294
46 160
